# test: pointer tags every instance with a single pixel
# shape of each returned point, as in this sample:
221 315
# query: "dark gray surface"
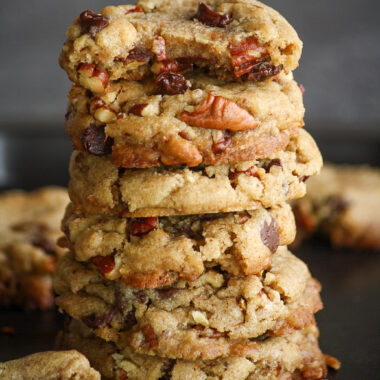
339 68
349 324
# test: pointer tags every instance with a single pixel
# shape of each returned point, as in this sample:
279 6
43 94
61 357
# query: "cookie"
296 356
98 186
157 37
342 203
217 315
156 252
207 122
29 228
50 365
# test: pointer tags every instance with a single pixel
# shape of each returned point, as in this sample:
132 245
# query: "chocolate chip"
141 296
150 336
137 109
130 319
143 226
167 293
136 55
270 236
221 145
210 18
95 322
92 23
269 164
95 141
46 245
337 204
262 72
168 83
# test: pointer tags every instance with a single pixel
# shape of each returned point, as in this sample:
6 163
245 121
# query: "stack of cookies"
186 124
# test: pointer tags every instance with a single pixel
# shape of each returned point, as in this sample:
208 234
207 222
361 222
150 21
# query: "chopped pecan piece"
274 162
137 109
270 236
92 23
168 83
104 264
95 141
159 48
221 145
143 226
242 218
101 112
210 18
251 172
135 9
216 112
92 78
150 336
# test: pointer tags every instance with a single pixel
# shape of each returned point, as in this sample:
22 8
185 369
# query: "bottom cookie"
296 356
50 365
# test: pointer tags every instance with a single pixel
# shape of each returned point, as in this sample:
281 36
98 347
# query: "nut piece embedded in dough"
216 112
92 78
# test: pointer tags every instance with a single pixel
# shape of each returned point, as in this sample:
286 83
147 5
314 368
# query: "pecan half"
95 141
210 18
92 78
216 112
92 23
104 264
143 226
159 48
168 83
269 235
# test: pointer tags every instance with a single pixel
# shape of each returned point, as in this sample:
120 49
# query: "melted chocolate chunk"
270 236
93 321
95 141
167 293
269 164
92 23
141 296
138 55
130 319
262 72
168 83
210 18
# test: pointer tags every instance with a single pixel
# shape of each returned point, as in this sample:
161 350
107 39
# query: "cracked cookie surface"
156 252
29 228
98 186
211 122
296 356
132 41
218 315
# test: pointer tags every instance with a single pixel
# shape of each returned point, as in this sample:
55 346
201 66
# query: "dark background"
339 66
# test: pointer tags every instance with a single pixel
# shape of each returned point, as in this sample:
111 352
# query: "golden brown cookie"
29 228
218 315
253 43
209 122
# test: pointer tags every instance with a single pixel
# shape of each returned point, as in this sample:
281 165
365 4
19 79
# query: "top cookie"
235 40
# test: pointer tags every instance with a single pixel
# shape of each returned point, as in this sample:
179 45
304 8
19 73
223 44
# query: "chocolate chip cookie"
342 203
236 40
50 365
218 315
295 356
158 251
207 122
29 228
98 186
